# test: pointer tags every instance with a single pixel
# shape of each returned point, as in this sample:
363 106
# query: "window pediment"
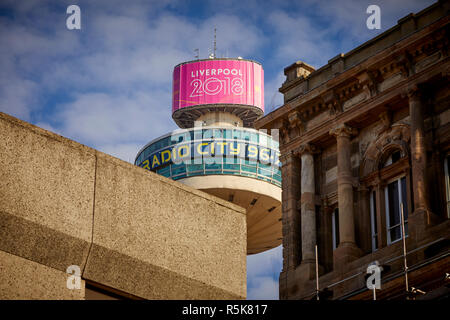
388 148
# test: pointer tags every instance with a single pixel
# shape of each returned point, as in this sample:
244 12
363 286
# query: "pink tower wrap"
218 82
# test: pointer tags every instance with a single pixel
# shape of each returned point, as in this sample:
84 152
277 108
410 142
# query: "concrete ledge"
41 244
62 203
147 280
24 279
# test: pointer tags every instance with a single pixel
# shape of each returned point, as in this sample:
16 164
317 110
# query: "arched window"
386 173
395 197
393 157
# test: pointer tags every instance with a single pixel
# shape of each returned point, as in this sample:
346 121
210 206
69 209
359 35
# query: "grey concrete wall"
62 204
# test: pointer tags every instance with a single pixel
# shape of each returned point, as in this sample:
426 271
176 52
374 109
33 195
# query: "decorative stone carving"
373 76
343 131
331 100
284 135
398 137
413 93
386 119
405 63
305 148
296 124
283 126
287 158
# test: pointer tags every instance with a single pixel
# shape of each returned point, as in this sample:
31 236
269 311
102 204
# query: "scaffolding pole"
404 248
317 274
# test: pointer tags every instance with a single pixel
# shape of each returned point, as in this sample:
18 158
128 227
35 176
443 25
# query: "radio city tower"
215 102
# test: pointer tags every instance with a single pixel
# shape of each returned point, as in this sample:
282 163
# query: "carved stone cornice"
440 40
332 101
296 121
343 130
405 64
288 157
386 119
370 80
283 129
413 93
329 200
291 128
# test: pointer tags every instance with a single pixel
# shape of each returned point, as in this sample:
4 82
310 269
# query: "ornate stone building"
361 138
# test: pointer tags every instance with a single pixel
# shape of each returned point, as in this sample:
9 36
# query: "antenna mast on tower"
214 54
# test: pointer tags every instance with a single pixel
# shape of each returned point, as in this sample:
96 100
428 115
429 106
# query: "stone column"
290 171
422 216
418 150
347 249
290 174
307 201
307 211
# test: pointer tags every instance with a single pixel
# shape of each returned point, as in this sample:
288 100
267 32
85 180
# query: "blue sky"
108 85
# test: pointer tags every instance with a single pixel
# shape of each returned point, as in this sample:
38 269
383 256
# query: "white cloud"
100 118
263 270
49 127
124 151
266 288
118 51
115 73
17 95
315 31
234 36
272 97
298 38
266 263
351 16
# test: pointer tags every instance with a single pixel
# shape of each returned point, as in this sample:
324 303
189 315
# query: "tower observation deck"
216 150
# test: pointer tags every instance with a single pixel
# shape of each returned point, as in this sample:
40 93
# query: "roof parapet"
298 69
301 77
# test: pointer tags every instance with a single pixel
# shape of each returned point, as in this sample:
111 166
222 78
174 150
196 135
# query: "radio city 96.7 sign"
218 82
211 151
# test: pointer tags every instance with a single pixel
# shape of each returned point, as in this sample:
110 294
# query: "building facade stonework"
362 139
